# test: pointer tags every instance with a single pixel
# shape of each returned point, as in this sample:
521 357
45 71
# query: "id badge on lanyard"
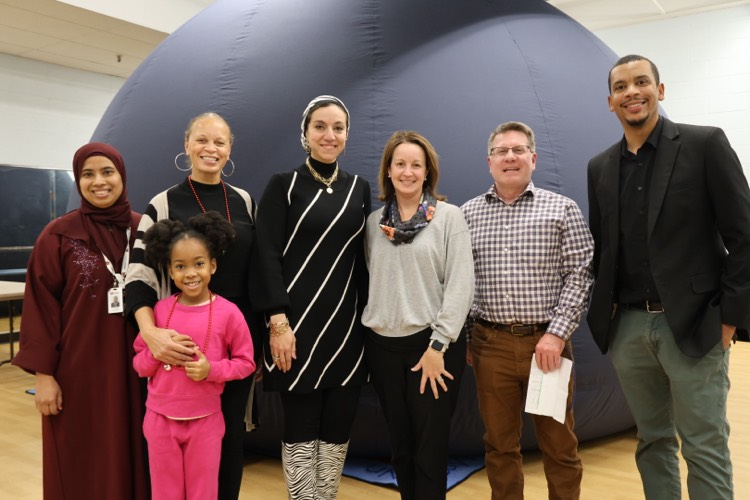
114 295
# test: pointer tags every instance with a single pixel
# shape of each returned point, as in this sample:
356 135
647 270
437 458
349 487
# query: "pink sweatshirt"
172 393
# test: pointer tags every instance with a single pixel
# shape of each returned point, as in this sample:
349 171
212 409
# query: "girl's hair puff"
217 231
211 228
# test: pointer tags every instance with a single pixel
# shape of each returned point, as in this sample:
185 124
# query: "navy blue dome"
450 70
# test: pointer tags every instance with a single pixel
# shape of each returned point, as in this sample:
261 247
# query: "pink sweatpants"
184 456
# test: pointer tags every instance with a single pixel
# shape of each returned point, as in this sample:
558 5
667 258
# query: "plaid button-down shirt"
532 259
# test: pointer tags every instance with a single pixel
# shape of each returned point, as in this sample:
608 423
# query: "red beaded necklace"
226 200
167 366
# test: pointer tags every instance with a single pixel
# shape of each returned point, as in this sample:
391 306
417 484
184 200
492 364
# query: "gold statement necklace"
322 179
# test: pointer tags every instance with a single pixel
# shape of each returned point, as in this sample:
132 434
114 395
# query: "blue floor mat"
379 471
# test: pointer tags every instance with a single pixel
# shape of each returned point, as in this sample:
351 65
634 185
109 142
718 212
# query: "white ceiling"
55 32
58 33
601 14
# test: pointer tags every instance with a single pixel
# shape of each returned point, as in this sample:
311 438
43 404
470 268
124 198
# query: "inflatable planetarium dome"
450 70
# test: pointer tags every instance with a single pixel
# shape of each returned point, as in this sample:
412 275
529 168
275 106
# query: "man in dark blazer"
669 209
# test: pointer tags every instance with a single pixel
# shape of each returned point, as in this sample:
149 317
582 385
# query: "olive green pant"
671 395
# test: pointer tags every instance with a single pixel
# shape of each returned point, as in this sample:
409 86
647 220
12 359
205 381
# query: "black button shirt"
635 281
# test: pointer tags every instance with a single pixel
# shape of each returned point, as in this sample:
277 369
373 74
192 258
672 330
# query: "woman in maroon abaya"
77 342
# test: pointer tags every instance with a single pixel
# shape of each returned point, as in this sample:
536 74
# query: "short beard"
638 123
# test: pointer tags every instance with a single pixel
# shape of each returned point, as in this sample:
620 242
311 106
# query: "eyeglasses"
503 151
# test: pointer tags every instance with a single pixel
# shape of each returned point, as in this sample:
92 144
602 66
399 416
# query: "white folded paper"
548 392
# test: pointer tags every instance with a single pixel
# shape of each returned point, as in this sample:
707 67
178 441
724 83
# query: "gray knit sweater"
426 283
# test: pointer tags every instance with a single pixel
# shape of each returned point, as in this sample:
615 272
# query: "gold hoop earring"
188 169
230 173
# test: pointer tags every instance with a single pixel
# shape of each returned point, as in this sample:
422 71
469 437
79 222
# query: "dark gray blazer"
698 236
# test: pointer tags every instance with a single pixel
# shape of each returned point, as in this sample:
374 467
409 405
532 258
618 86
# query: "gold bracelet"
275 329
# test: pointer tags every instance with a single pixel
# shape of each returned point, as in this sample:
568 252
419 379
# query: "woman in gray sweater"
421 267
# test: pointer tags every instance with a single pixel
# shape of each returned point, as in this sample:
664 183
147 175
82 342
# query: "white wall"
704 62
48 111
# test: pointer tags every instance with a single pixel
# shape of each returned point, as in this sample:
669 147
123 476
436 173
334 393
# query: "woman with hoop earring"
208 145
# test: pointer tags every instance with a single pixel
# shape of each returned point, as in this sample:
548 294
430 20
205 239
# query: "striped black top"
311 260
145 285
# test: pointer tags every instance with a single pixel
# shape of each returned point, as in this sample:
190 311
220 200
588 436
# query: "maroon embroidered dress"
93 449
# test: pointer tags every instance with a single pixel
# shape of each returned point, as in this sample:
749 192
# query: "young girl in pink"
183 423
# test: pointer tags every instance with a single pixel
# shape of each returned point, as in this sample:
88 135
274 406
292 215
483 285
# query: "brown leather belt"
517 329
647 305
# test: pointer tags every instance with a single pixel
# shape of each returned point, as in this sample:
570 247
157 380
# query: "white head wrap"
312 106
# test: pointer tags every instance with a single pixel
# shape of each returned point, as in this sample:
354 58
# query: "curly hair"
211 228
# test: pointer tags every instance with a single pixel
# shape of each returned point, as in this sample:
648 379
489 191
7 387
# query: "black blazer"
698 236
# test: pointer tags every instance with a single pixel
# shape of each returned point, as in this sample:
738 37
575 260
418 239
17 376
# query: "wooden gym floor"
609 469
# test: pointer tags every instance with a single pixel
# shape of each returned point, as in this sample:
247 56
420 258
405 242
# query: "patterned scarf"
399 231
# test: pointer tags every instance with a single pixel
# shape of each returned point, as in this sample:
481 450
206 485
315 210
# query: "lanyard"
120 277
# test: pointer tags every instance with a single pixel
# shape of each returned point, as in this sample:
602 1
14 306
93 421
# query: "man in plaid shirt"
532 260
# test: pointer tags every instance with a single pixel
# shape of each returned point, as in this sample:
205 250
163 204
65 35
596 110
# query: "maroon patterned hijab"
106 226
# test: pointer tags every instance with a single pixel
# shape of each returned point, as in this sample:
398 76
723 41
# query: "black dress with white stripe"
311 260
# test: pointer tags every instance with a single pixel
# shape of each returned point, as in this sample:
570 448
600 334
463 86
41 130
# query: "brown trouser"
501 366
